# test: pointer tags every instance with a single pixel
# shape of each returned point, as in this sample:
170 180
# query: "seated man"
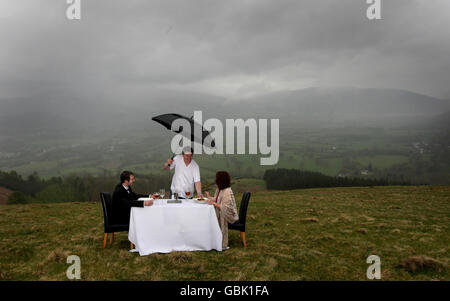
124 198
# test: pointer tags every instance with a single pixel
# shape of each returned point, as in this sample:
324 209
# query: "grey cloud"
191 43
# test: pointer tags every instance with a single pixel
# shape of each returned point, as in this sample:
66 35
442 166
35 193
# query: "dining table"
174 225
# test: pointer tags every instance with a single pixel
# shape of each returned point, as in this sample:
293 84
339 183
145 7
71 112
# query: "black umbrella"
167 119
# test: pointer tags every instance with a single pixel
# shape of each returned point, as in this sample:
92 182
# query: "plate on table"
201 201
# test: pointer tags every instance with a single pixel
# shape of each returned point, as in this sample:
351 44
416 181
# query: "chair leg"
111 238
105 238
243 239
131 246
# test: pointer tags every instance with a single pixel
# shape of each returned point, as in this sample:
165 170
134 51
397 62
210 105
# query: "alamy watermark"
373 12
73 11
258 142
374 269
74 270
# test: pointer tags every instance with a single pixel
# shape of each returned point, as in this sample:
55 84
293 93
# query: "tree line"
286 179
73 188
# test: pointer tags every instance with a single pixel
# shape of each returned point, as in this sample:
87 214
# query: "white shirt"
184 177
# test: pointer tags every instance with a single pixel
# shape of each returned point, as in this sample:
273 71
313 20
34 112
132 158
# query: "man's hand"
148 203
168 163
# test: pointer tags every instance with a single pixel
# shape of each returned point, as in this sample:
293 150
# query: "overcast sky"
230 48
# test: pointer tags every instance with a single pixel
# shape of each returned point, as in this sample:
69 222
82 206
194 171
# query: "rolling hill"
62 111
310 234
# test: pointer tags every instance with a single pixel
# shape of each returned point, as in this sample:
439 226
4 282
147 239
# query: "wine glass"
156 195
187 193
162 192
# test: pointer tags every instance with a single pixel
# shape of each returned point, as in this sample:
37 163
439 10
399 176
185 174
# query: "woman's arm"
212 202
208 196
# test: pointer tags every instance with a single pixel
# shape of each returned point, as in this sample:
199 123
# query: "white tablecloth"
163 228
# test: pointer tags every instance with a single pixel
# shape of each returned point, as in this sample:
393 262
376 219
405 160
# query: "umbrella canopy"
167 119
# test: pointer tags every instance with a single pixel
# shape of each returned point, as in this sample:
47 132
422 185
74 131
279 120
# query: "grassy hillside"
313 234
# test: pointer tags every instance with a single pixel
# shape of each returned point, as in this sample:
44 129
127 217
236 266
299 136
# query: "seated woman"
224 204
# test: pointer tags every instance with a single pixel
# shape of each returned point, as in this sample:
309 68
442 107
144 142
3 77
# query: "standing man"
186 176
124 198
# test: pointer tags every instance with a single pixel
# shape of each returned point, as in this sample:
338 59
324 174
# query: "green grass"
252 185
42 166
382 161
313 234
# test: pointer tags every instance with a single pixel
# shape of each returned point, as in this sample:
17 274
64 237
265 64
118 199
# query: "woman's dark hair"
125 176
223 180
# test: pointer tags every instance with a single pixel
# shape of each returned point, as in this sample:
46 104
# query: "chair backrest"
107 205
243 207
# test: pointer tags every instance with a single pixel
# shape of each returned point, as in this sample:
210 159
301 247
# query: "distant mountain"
68 110
345 103
440 121
61 111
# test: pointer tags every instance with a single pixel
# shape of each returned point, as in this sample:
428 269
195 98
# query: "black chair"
240 224
110 227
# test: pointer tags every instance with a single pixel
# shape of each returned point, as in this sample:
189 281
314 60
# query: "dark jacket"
122 201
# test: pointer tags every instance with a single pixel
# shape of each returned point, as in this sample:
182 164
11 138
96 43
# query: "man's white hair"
187 150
